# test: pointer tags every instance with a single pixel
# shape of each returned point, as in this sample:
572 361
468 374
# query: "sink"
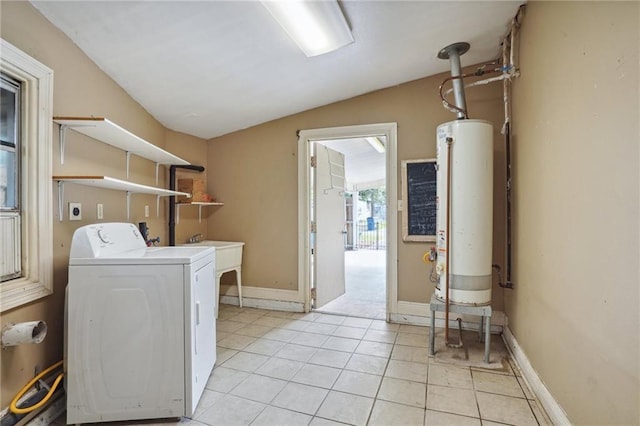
228 254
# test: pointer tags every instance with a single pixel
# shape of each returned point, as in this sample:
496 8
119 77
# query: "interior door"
329 180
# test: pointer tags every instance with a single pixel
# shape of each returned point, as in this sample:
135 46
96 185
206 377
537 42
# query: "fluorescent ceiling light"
317 27
376 144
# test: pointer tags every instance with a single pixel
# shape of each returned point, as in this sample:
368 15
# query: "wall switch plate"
100 211
146 211
75 211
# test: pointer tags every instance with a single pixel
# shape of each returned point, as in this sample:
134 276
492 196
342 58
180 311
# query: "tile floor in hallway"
282 368
365 285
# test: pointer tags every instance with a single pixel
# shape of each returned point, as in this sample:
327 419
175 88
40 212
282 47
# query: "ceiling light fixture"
317 27
376 144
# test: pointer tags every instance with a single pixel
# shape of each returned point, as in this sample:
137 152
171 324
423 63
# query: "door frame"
305 137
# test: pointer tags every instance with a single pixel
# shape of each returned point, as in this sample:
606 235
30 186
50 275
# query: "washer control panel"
105 240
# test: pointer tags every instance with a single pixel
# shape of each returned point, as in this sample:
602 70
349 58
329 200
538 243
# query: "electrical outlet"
100 211
146 211
75 211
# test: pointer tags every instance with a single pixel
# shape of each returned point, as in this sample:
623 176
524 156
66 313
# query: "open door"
329 217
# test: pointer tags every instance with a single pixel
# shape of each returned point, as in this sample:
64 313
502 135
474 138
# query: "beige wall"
575 306
81 89
255 173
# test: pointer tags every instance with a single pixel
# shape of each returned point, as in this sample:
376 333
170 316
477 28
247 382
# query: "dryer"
140 326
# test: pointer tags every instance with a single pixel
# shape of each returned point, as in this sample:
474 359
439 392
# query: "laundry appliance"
140 326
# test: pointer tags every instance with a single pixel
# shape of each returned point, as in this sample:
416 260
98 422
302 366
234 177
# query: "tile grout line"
388 358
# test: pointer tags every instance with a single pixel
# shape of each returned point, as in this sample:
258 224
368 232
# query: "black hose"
12 419
172 199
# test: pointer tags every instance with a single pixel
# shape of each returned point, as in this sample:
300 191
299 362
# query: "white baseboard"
420 314
261 293
263 298
548 402
408 312
268 304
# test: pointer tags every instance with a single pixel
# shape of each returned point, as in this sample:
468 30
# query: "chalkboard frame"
406 236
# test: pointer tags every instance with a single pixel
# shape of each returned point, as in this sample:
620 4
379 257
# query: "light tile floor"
280 368
365 286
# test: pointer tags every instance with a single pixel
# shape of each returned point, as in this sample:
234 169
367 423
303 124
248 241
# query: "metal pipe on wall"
172 198
453 53
448 245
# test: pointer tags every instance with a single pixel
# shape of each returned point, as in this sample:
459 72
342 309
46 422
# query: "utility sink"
228 253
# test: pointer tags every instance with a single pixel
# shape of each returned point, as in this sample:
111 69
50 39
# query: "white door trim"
390 131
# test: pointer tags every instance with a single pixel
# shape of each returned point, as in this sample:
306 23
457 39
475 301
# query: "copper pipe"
461 111
448 243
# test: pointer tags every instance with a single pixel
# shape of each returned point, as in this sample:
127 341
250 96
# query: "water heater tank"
467 178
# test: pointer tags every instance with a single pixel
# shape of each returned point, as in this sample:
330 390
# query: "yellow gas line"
13 407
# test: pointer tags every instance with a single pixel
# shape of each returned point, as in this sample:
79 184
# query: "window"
10 104
26 235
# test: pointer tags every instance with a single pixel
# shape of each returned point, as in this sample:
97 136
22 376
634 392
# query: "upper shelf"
110 133
117 184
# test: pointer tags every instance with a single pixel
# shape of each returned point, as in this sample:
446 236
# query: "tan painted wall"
575 307
255 173
81 89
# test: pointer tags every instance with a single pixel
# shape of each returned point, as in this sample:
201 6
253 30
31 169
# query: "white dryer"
140 326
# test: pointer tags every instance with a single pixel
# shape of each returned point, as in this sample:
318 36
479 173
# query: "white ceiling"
364 167
208 68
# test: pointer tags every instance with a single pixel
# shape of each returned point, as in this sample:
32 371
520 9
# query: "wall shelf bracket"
63 132
128 204
60 199
128 162
63 135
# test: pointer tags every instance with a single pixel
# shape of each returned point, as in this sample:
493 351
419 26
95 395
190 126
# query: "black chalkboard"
419 178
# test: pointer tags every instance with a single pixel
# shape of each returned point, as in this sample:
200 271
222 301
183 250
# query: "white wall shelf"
110 133
107 182
195 203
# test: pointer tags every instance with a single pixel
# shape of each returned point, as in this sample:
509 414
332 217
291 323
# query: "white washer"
140 326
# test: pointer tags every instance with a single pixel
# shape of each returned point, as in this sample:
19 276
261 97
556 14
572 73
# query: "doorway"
347 253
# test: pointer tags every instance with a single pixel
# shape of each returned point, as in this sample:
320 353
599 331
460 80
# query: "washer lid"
150 256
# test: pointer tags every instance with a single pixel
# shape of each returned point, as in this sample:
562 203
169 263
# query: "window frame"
35 178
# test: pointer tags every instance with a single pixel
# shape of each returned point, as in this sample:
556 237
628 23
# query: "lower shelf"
195 203
107 182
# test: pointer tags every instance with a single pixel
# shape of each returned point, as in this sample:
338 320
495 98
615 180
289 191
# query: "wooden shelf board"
110 133
118 184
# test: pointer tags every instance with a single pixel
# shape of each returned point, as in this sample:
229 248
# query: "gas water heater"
465 213
464 238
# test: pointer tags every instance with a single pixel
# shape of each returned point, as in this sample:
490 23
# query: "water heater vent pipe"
453 53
